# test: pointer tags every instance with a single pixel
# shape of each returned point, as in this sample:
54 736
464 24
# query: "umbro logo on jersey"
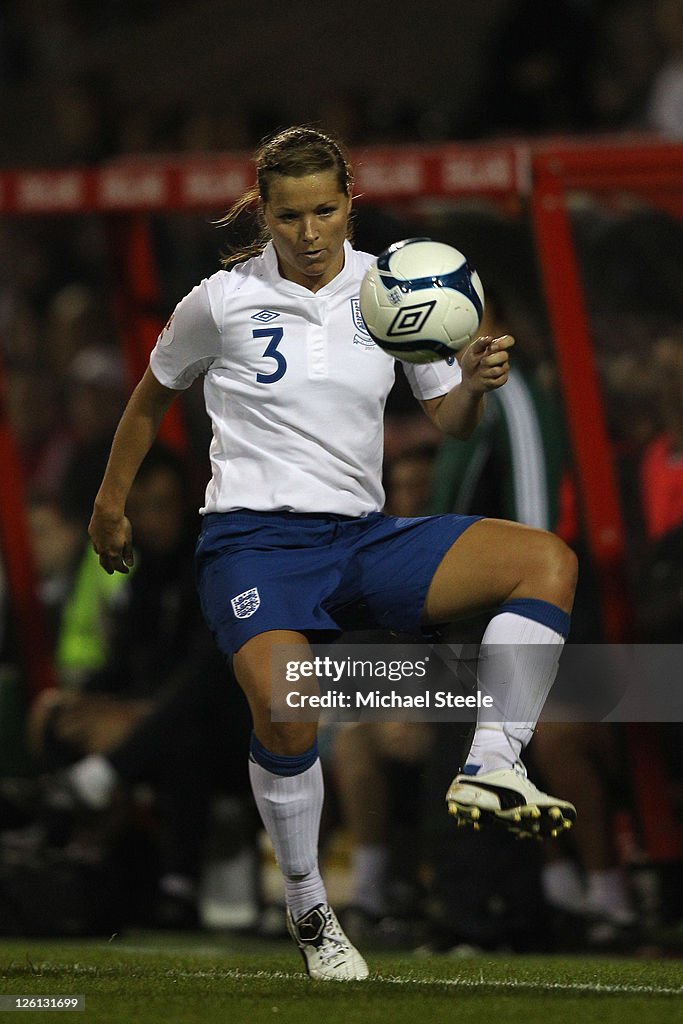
244 605
265 316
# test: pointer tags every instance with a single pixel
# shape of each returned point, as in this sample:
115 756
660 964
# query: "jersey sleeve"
429 380
188 343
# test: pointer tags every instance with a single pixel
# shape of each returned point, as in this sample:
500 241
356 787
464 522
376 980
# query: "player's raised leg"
530 576
287 782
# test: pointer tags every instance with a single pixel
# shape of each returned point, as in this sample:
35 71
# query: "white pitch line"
540 986
510 983
558 986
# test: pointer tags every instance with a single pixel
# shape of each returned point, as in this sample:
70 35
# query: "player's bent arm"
485 365
109 528
455 413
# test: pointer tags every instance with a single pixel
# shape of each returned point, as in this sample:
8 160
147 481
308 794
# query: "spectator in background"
95 396
36 416
660 574
154 707
376 767
63 403
95 392
74 315
586 880
148 633
57 546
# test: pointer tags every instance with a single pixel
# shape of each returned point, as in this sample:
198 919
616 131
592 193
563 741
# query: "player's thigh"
495 560
258 667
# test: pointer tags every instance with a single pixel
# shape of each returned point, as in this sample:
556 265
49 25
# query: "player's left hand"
485 363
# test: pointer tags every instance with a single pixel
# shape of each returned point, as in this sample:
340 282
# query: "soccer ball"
421 300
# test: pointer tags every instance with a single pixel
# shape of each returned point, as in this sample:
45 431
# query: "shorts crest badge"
246 604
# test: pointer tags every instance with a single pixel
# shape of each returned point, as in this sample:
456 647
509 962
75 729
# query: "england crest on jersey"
246 604
363 337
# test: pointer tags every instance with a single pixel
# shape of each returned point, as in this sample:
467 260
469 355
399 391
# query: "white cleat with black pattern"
326 951
507 797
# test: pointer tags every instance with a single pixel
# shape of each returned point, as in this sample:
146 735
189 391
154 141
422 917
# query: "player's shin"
517 667
289 794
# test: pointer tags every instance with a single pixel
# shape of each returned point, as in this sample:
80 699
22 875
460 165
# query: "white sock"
94 780
290 807
368 870
517 667
562 885
606 893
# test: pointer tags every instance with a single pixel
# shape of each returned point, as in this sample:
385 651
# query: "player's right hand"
485 362
112 540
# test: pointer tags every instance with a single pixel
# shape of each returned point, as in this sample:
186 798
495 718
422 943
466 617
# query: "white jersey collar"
270 262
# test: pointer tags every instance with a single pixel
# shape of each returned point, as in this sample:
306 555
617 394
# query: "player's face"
308 218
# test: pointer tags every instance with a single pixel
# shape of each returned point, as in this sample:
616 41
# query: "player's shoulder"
361 260
254 272
222 286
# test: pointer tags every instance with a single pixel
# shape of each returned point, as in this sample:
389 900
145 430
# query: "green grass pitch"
149 978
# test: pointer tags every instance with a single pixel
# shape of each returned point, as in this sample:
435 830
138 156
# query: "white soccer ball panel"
426 257
461 321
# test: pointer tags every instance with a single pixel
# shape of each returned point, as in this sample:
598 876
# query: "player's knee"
568 562
560 566
290 739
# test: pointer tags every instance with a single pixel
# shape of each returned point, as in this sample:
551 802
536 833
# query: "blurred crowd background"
139 686
85 82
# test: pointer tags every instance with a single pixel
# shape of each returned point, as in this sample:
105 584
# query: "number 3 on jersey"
275 335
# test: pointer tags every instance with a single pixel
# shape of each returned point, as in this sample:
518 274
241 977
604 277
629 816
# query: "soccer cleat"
326 951
507 797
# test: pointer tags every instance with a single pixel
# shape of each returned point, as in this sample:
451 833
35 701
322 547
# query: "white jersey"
294 385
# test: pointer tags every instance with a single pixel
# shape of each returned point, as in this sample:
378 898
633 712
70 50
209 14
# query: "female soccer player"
293 537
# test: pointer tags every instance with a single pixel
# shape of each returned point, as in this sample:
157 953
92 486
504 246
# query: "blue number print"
275 335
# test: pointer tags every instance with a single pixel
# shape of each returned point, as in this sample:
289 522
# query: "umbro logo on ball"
410 319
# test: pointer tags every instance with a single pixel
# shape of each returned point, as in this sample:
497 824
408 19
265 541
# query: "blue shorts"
259 571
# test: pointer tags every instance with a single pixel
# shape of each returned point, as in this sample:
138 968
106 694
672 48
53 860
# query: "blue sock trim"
471 769
539 611
282 764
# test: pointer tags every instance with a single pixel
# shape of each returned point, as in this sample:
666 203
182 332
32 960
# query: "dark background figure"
159 711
